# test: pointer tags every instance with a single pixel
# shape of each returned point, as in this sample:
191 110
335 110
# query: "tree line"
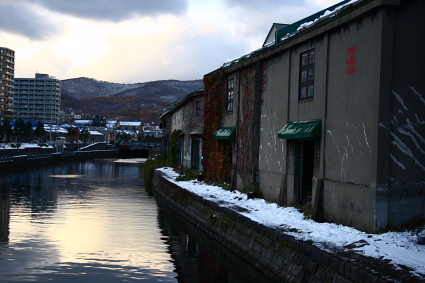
22 131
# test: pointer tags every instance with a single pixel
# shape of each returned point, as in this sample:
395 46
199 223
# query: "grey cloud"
114 10
20 19
254 18
264 4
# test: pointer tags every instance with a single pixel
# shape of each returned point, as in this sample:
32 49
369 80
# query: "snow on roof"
95 133
111 124
326 14
78 121
400 248
4 146
130 123
130 132
55 129
165 113
296 28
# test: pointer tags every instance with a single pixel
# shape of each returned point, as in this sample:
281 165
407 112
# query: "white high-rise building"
38 99
7 73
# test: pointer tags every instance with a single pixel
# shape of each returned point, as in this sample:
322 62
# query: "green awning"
228 133
301 130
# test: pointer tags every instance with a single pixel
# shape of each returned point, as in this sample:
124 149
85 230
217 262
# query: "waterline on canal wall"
277 255
9 163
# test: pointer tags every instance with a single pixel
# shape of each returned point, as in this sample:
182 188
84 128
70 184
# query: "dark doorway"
181 147
195 154
306 171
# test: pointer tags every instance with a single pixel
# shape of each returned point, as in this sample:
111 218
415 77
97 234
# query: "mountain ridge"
138 101
83 87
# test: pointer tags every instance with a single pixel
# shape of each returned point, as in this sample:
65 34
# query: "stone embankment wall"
22 162
69 147
278 256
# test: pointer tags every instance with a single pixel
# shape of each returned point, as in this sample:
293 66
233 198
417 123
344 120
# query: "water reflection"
198 258
89 221
93 222
4 218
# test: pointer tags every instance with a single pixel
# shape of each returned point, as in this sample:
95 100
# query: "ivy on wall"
172 159
214 157
216 153
173 156
245 128
264 82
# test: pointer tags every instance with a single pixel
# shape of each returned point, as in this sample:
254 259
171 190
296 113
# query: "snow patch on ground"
400 248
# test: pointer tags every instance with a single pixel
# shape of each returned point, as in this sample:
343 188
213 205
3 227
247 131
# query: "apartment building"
7 71
38 99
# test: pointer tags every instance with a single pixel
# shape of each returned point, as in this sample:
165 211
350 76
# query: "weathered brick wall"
279 257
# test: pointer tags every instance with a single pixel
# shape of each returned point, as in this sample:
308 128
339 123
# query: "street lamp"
54 141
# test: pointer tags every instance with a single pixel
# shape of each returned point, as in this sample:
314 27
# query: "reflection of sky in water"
132 160
66 176
86 222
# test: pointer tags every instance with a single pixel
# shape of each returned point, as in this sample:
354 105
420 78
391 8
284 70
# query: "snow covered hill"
124 101
84 88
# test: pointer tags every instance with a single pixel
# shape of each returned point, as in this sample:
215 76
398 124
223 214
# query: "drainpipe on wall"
238 92
257 120
284 187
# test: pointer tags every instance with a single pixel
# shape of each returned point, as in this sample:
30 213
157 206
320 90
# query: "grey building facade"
7 74
338 114
38 99
187 116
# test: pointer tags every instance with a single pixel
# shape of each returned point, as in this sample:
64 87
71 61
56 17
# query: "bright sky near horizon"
131 41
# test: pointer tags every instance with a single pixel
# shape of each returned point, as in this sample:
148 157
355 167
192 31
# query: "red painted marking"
352 60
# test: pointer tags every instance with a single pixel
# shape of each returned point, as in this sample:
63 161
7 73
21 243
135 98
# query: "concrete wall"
351 130
177 120
353 102
274 115
404 127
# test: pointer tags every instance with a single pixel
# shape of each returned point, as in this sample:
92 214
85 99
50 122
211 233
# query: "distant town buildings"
38 99
67 117
7 71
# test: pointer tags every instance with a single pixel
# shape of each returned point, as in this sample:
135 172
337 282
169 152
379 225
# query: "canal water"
93 221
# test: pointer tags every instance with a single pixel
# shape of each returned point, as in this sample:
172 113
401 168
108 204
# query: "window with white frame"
307 62
198 108
230 96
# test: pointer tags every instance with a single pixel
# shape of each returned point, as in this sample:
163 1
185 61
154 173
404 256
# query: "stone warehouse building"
332 113
186 115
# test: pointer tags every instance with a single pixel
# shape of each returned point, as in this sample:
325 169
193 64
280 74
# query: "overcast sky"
129 41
